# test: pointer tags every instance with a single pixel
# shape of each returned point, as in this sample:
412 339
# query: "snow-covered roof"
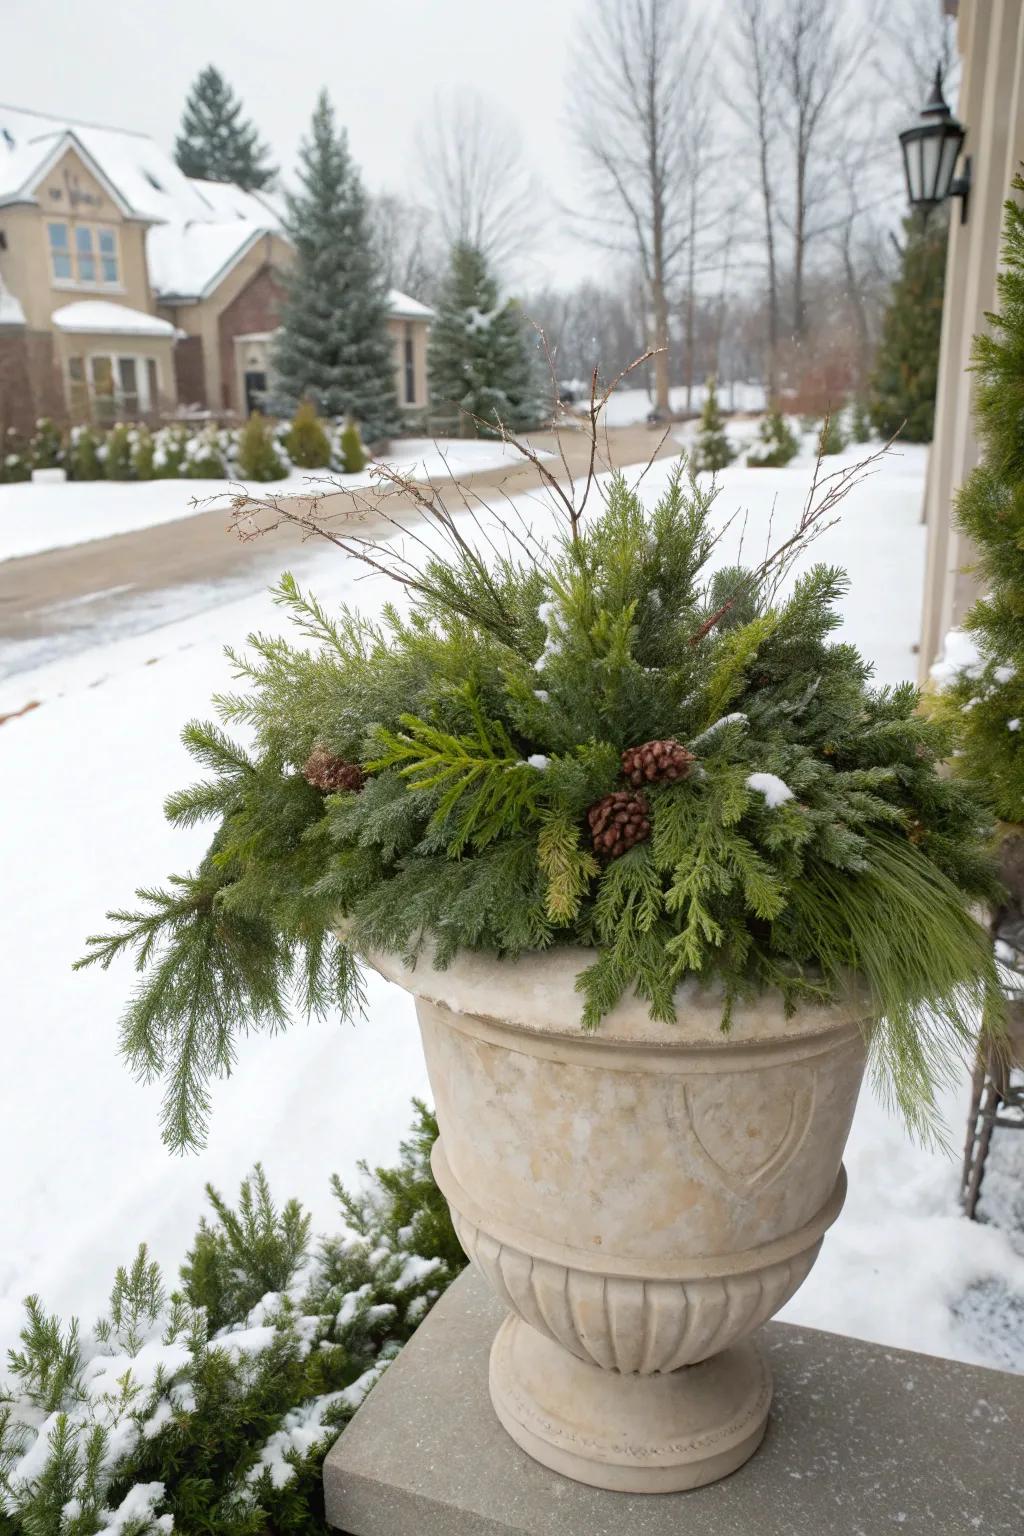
102 317
404 308
199 229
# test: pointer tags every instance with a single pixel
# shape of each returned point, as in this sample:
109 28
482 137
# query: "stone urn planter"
641 1199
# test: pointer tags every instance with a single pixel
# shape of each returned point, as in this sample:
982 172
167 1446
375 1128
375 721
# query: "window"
78 389
128 386
409 367
90 258
60 251
101 372
85 258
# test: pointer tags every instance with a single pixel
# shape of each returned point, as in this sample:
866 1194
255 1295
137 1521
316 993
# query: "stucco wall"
73 195
991 104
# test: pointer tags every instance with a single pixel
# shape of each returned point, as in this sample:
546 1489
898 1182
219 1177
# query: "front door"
255 390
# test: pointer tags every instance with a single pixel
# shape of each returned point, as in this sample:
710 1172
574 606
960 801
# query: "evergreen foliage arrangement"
210 1410
907 366
216 143
482 359
712 450
257 457
15 458
599 741
353 455
777 443
986 700
333 345
307 443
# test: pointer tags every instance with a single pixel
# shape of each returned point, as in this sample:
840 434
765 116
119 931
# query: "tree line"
739 172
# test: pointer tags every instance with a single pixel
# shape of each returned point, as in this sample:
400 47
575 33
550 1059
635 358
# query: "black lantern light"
930 151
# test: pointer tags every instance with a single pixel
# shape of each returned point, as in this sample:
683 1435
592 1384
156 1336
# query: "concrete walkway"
82 586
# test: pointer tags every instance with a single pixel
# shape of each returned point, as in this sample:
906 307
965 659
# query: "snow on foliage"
775 791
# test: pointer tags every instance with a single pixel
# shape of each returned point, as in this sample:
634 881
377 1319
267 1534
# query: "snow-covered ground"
38 517
82 778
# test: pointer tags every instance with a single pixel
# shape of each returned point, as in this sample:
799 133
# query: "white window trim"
75 284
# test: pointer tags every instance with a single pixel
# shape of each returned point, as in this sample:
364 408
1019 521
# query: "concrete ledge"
862 1441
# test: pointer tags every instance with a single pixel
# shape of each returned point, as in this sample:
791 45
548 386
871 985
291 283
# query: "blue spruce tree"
482 361
333 347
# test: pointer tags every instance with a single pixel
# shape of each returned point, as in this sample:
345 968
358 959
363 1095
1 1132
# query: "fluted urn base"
630 1433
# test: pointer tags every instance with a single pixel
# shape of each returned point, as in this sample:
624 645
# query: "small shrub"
222 1436
119 452
47 445
204 457
830 438
776 445
860 421
307 443
143 449
84 458
15 458
713 450
354 458
257 457
170 445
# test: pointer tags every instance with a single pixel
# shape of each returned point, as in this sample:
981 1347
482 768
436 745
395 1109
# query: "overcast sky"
129 63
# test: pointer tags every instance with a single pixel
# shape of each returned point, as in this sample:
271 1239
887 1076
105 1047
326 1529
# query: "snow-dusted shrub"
119 452
206 456
47 446
15 458
84 459
776 443
211 1409
142 453
169 445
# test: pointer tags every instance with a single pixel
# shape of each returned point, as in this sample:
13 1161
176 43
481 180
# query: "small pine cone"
618 822
329 773
657 762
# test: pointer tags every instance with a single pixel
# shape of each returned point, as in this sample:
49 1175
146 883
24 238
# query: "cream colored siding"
991 104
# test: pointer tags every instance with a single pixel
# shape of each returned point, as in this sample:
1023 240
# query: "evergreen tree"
482 361
907 368
860 421
713 449
987 700
216 142
333 345
776 445
84 460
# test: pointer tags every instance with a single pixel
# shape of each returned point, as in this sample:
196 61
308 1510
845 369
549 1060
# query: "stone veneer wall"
30 383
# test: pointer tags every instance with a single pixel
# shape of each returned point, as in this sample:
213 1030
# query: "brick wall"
30 383
188 371
256 308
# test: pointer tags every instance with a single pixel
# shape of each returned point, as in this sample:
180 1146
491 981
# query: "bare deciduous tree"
755 58
634 68
821 50
409 244
482 187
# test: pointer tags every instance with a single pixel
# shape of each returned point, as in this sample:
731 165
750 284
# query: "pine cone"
618 822
657 762
329 773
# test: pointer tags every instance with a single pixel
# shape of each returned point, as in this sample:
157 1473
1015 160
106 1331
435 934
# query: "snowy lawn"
628 407
38 517
82 778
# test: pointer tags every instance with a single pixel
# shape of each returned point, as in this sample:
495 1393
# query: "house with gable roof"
130 291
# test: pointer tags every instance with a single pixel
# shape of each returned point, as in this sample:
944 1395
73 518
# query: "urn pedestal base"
660 1433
